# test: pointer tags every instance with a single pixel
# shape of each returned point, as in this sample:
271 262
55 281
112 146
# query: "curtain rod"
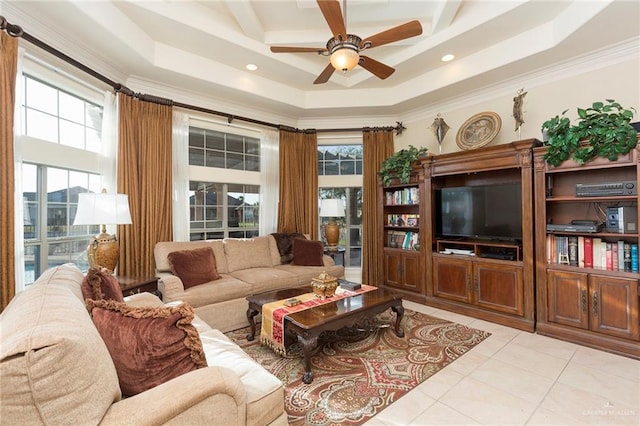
17 31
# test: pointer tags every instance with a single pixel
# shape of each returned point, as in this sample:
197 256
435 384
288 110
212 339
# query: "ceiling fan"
344 49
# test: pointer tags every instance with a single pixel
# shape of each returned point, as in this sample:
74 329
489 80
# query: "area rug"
359 372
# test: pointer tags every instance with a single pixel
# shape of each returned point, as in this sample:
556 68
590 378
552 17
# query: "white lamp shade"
102 209
331 207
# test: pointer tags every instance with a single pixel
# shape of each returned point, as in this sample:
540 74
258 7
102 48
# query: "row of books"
403 219
402 196
592 252
403 240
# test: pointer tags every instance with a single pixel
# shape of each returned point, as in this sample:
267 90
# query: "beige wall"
619 81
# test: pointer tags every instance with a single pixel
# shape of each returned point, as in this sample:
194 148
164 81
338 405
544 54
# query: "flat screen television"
492 212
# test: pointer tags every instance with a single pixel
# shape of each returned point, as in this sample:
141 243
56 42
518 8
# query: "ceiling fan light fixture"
344 59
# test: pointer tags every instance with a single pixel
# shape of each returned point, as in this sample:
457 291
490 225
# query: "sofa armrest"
211 395
171 286
143 299
328 260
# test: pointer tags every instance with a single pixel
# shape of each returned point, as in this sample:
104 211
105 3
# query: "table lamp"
103 209
332 208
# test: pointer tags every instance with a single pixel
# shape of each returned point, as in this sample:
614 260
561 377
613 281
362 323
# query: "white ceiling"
203 46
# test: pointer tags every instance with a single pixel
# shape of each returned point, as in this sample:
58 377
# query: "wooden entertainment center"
510 281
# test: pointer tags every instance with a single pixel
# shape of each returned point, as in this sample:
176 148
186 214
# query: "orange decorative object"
103 251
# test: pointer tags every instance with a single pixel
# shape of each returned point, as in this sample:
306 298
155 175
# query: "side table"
134 285
337 252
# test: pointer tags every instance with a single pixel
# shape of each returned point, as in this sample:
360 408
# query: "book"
597 255
614 256
572 242
588 252
621 255
634 257
627 256
603 254
581 251
608 256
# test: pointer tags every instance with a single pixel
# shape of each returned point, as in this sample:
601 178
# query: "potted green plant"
399 164
603 130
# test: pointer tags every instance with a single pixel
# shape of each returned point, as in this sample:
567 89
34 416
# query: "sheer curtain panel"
180 150
269 175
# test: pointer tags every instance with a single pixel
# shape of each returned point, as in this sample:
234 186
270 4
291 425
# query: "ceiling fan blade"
333 15
325 74
288 49
407 30
376 68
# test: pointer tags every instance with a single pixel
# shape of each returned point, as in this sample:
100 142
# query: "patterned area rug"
359 372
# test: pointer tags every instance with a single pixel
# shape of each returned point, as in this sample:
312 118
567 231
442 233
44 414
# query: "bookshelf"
400 208
587 282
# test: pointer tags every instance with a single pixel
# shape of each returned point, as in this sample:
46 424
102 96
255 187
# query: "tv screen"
485 212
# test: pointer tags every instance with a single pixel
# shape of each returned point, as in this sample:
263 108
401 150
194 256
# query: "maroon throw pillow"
307 252
194 267
148 345
99 283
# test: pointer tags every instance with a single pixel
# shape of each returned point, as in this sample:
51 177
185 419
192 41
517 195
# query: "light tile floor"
520 378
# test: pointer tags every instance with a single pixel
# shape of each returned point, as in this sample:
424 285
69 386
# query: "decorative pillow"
247 253
307 252
99 283
148 345
194 267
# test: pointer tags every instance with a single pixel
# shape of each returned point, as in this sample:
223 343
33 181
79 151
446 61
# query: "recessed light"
251 67
447 58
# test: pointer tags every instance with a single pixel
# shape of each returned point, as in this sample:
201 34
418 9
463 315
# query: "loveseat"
55 369
245 267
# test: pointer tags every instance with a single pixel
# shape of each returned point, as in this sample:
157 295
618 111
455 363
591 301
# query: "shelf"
402 228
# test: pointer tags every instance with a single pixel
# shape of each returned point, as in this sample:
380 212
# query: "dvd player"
606 189
573 227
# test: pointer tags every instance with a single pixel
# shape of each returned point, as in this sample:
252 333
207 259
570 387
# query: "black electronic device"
483 211
606 189
571 227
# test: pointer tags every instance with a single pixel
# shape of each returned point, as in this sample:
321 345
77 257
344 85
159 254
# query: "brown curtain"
376 146
298 205
144 174
8 70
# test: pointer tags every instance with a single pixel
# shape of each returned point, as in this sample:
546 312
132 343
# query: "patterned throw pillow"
194 267
99 283
148 345
307 252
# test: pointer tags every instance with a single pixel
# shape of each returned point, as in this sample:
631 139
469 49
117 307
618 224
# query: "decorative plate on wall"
479 130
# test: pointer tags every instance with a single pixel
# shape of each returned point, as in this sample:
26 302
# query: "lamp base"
103 251
332 234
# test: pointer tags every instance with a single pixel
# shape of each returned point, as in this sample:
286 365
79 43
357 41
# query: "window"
339 160
221 210
340 176
50 198
213 148
60 143
54 115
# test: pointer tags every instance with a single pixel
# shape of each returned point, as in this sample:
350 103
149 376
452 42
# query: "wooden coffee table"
308 324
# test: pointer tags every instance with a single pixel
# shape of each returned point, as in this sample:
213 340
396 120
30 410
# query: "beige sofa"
246 267
56 370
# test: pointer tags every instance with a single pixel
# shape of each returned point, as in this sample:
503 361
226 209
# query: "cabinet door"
392 268
567 298
452 278
614 306
499 287
412 275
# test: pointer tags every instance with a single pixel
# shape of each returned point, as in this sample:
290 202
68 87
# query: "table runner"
273 314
